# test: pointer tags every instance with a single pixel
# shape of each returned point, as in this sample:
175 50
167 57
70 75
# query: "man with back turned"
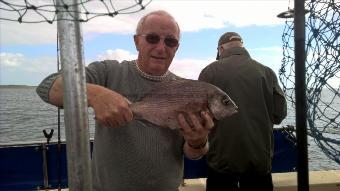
241 146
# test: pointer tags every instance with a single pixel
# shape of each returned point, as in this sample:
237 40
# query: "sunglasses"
154 39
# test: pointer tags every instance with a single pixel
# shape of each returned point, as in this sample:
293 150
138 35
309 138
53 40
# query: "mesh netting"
38 11
322 73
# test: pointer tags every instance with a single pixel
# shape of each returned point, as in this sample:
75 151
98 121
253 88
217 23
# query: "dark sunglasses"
154 39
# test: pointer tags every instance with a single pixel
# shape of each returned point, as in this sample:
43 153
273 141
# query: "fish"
165 100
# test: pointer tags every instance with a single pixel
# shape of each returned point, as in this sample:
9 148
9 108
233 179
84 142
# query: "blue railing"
22 166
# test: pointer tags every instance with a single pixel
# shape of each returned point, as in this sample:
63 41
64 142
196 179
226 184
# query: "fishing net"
39 11
322 73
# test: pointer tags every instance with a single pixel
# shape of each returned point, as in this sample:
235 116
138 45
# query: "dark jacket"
244 142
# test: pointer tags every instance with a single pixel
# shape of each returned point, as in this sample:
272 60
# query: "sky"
28 51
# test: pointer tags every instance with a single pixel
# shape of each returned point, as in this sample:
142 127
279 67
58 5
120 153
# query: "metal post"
75 99
300 95
45 166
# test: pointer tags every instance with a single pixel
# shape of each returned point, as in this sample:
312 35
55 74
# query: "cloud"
17 68
191 16
118 54
11 60
197 15
189 68
12 33
18 61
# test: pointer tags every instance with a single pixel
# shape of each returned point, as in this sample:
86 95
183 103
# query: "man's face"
155 58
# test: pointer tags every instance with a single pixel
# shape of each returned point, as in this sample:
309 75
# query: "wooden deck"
318 181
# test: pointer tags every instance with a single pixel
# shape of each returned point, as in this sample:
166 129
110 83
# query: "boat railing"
39 165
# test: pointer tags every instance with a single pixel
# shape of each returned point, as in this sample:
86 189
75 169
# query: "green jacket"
243 143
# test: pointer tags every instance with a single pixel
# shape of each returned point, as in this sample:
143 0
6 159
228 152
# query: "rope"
39 11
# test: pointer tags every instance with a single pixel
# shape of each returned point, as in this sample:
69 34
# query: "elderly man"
129 155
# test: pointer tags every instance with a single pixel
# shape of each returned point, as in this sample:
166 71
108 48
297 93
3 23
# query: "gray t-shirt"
138 156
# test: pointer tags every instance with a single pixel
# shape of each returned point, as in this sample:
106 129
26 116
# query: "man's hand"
110 108
195 133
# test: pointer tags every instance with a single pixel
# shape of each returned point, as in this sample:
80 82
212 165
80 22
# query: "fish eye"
225 100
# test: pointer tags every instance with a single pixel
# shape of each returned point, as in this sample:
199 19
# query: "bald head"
165 14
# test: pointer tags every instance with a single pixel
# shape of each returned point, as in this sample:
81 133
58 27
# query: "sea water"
24 116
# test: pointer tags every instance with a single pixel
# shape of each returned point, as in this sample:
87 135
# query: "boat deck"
318 181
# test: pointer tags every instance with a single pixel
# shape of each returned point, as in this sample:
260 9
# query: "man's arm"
56 94
110 108
280 103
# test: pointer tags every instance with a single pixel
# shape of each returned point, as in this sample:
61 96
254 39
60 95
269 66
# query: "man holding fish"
138 144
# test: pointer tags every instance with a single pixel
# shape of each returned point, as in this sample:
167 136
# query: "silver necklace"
151 77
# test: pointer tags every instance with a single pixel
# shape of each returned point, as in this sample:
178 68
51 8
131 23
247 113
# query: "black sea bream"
166 100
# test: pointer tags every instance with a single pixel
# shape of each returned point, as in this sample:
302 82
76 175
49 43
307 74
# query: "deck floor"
318 181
